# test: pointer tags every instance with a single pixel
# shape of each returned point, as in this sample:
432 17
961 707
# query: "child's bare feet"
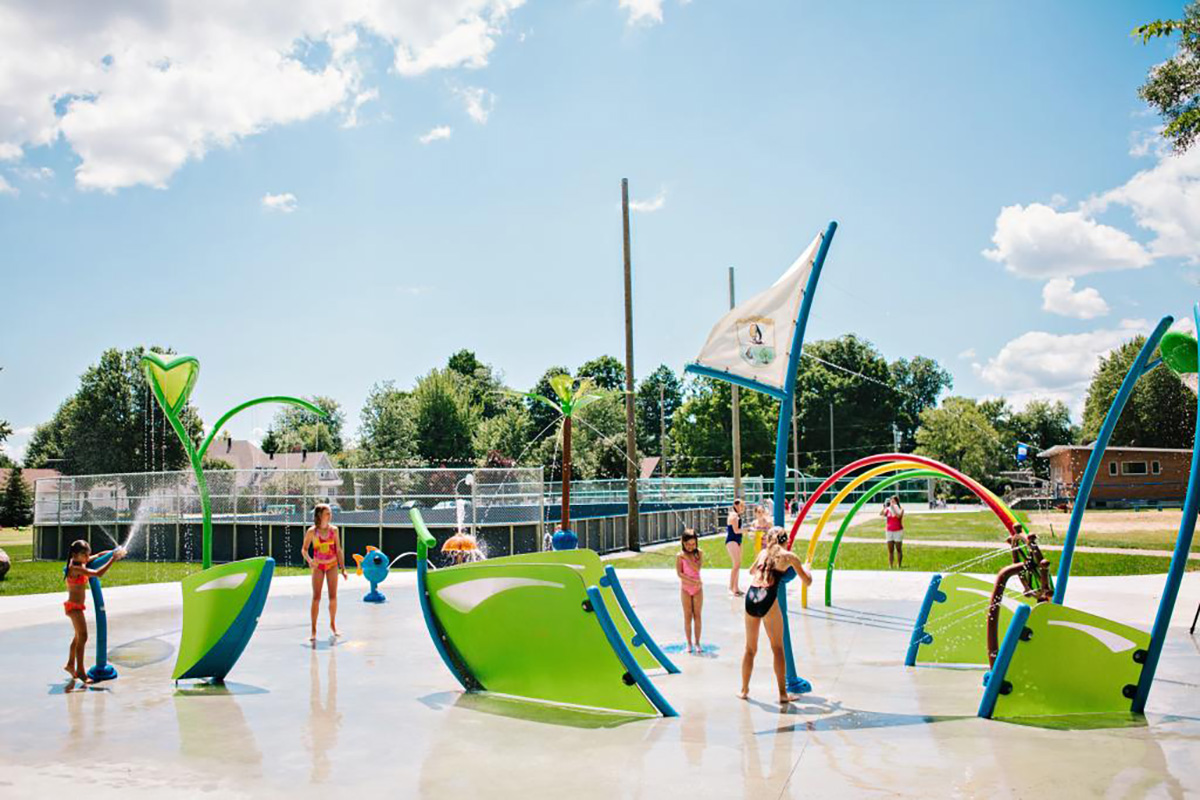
744 694
70 671
788 699
83 676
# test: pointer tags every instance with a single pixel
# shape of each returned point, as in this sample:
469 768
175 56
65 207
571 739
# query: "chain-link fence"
158 515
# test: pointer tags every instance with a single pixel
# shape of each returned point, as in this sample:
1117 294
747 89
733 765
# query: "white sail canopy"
751 345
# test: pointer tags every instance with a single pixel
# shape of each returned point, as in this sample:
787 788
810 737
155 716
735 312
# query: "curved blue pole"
919 636
636 673
642 636
102 670
1139 367
993 681
1183 546
794 682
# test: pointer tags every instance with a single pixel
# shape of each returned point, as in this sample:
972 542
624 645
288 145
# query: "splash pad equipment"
743 349
101 670
374 565
550 627
1057 660
221 605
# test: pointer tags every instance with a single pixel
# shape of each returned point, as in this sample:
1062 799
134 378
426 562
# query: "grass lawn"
1050 528
917 559
35 577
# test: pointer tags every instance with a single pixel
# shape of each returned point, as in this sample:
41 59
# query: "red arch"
968 482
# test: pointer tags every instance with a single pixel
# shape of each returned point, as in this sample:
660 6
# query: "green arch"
874 490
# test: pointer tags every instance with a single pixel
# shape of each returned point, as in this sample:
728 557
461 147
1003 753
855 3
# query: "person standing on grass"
893 515
733 544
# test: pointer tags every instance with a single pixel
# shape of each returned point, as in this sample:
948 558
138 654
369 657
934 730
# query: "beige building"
1127 476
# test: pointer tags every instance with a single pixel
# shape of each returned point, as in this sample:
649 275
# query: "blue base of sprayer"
799 686
374 596
102 673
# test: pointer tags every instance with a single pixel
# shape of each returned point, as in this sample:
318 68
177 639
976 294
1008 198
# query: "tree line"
851 402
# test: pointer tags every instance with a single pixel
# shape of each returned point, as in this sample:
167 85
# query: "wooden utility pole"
662 426
632 536
737 418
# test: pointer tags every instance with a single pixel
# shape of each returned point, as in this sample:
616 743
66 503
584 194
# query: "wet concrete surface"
377 712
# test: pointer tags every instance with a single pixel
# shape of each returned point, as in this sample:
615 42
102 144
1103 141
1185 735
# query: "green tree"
960 434
16 504
703 435
443 418
483 382
5 432
649 423
295 429
918 382
1173 87
1161 411
506 435
864 405
387 429
112 423
606 372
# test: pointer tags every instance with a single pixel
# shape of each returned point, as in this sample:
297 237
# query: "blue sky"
252 187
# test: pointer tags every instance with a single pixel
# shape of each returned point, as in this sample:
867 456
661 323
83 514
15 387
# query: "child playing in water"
76 573
762 607
691 590
326 544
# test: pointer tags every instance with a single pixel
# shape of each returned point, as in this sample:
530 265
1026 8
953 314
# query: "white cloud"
34 173
1059 297
478 102
1037 364
1165 200
285 202
651 205
360 99
1036 241
436 134
968 353
137 90
8 188
643 11
14 446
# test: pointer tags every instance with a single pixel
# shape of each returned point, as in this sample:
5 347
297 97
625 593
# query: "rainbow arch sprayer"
1056 660
553 627
221 605
757 345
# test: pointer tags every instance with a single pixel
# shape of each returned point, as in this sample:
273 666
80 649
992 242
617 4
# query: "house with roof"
1128 476
256 467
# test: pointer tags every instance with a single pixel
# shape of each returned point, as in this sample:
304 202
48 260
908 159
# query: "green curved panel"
1072 662
591 569
221 607
957 624
522 630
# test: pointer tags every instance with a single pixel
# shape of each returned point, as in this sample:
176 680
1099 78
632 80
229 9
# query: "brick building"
1127 476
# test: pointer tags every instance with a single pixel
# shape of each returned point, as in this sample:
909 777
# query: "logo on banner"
756 340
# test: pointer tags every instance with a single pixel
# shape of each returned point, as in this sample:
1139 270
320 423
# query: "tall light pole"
632 537
832 469
737 417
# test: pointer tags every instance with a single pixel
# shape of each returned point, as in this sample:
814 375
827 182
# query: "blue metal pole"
794 682
1183 546
102 670
1136 370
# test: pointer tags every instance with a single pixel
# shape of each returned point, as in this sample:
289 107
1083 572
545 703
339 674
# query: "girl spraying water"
761 607
76 574
327 556
691 590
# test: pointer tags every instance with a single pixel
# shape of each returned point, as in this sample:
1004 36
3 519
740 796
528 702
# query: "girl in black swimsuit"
733 544
761 607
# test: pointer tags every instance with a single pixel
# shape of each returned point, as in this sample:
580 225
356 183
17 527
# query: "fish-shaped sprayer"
374 565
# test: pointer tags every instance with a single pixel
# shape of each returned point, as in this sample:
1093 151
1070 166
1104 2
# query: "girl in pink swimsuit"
326 560
691 590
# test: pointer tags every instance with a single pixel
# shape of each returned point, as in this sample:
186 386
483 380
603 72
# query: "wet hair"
317 509
78 546
774 542
737 501
689 535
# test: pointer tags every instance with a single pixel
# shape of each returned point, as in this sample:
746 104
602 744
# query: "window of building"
1133 468
1155 468
1112 468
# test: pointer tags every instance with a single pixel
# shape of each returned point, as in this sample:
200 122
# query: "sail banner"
751 345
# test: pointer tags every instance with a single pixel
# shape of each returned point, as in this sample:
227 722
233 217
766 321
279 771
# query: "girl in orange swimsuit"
325 542
76 574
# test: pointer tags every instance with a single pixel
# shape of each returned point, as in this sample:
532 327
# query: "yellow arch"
891 466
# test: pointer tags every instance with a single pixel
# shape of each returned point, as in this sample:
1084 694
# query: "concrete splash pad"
377 712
